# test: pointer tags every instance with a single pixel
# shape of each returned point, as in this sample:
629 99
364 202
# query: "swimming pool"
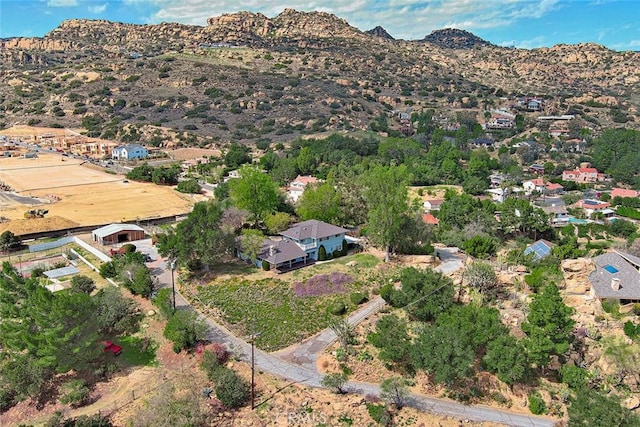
573 220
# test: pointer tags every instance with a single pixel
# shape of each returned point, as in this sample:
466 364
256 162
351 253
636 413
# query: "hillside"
246 77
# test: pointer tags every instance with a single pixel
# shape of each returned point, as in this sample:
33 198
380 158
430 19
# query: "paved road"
306 373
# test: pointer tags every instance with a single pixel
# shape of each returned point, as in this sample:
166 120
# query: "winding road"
298 363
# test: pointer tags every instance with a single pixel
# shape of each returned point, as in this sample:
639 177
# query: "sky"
520 23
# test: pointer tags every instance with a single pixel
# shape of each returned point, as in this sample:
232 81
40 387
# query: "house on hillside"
623 192
432 204
591 206
298 185
428 218
583 175
538 185
129 152
299 245
558 215
616 277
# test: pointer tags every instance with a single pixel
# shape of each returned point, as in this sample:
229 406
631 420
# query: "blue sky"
520 23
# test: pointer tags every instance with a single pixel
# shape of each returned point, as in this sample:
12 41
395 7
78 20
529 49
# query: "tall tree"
549 326
254 191
392 340
321 202
386 196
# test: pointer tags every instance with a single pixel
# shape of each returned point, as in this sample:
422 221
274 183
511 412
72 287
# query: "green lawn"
271 308
134 352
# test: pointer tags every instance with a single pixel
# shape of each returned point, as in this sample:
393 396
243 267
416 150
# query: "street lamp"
172 266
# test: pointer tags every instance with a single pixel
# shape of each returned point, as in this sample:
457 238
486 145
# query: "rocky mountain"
380 32
451 38
246 77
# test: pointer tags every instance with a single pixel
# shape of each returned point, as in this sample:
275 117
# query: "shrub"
209 364
74 392
185 330
266 266
231 389
536 403
630 329
127 248
6 399
335 381
163 301
338 308
379 413
480 246
83 284
358 298
574 376
322 253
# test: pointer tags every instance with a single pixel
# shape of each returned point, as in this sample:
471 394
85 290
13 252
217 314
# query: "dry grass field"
78 195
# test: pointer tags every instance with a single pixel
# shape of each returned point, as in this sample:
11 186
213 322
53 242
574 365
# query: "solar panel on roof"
540 249
611 269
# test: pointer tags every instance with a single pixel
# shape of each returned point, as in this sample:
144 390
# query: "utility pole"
253 370
172 266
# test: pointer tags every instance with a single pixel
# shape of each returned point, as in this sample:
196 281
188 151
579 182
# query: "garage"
113 234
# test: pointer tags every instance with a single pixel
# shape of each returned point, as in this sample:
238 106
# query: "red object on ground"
110 347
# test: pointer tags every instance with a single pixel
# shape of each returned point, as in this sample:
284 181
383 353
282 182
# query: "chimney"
272 250
615 284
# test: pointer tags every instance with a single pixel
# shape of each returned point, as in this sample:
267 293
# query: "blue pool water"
573 220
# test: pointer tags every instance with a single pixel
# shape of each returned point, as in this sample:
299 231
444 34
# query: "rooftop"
616 265
313 229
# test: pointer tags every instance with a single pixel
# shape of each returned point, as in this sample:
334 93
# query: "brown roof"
313 229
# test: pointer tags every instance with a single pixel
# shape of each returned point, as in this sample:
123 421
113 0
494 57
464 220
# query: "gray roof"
616 265
60 272
555 209
130 147
110 229
313 229
283 251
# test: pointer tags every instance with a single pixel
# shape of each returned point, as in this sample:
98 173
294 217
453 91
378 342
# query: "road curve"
307 375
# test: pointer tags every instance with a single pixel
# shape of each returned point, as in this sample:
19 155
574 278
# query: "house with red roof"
582 175
298 185
540 186
623 192
591 206
430 219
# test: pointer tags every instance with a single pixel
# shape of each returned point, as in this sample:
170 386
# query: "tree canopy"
255 192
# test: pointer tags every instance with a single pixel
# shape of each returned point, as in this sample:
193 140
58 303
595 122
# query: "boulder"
151 313
632 402
352 263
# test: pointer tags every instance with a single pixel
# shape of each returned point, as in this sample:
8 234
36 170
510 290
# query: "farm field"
77 195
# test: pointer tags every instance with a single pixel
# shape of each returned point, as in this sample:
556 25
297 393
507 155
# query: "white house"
298 185
129 152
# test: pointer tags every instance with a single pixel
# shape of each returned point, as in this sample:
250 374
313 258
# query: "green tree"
549 326
252 241
115 312
507 358
424 293
386 196
335 381
255 192
392 340
306 161
277 222
136 277
81 283
9 241
237 156
482 276
190 186
593 409
321 202
395 390
230 388
185 330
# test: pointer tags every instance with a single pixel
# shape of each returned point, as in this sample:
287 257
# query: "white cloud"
408 19
97 9
62 3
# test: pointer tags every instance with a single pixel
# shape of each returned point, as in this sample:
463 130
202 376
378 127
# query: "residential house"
496 179
129 152
536 168
234 174
591 206
623 192
432 205
558 215
428 218
298 185
312 234
583 175
299 245
483 142
616 276
500 194
538 185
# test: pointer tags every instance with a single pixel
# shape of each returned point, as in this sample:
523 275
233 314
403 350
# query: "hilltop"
246 77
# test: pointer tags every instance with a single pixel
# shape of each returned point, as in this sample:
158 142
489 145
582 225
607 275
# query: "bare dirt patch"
81 196
192 153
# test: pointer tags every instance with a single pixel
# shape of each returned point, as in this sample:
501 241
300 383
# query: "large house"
558 215
623 192
298 185
616 276
300 245
583 175
129 152
538 185
590 206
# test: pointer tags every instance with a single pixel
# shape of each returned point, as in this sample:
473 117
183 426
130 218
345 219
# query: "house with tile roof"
591 206
298 185
623 192
540 186
616 276
583 175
